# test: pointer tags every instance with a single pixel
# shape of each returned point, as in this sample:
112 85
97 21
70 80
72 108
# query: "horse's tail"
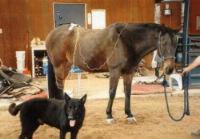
53 46
53 90
52 87
14 109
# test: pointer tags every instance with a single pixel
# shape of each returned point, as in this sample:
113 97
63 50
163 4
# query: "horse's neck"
146 49
143 50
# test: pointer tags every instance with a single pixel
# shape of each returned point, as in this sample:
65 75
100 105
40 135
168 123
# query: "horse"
117 49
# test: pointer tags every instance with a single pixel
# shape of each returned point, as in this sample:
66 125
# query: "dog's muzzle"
70 117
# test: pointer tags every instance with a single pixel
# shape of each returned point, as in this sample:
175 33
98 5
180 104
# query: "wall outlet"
1 30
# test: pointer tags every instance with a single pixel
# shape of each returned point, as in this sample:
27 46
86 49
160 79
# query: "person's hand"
185 71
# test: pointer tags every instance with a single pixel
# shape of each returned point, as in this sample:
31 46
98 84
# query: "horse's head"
167 48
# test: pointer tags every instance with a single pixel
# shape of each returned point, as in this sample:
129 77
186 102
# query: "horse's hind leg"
114 79
127 90
61 72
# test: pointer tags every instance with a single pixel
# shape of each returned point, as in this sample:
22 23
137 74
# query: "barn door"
69 13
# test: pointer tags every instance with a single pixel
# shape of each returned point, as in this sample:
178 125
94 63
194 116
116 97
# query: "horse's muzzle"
169 65
168 70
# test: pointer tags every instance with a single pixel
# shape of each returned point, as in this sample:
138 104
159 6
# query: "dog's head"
74 109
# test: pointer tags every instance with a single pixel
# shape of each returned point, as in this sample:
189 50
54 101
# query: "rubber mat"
142 89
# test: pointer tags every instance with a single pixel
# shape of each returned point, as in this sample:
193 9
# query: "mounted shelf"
38 52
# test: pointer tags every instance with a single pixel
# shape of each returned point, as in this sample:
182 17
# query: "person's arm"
193 65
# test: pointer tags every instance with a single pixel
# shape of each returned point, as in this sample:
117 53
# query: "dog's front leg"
74 134
62 134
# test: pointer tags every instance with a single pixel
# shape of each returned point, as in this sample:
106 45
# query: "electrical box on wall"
167 10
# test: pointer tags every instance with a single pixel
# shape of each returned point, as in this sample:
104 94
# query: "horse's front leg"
114 79
127 90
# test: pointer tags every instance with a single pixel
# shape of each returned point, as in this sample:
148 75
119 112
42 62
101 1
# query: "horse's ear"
67 97
163 25
162 29
177 30
119 27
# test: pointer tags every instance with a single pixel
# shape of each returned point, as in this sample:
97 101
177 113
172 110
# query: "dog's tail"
14 109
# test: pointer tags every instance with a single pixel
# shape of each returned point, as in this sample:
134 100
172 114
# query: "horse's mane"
161 28
152 26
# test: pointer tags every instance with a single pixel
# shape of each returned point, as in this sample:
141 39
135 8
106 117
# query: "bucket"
20 56
175 82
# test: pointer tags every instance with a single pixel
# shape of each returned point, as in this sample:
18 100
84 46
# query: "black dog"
66 115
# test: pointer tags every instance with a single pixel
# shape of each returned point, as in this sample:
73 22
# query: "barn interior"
24 26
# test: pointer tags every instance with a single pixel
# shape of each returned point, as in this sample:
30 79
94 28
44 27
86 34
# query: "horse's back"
58 42
56 35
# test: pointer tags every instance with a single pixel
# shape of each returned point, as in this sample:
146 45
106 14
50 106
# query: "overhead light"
159 1
171 0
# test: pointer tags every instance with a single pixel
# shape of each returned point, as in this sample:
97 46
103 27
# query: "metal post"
186 51
79 84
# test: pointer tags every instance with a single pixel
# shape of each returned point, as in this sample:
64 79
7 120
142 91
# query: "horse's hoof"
131 120
110 121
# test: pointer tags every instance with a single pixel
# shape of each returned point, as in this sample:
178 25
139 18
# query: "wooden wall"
13 23
173 20
21 20
194 12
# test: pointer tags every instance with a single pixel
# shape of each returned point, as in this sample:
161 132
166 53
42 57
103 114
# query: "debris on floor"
149 85
15 85
42 94
102 75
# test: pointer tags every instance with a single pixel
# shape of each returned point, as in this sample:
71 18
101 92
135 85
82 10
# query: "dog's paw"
131 120
110 121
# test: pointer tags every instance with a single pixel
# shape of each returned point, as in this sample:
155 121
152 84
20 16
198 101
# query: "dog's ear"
83 99
67 98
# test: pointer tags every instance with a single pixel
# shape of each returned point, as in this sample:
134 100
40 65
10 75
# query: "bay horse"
117 49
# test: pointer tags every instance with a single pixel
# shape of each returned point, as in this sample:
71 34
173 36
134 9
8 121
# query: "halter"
160 51
186 101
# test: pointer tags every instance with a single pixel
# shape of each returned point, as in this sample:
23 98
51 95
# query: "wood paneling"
22 20
13 23
194 12
173 20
